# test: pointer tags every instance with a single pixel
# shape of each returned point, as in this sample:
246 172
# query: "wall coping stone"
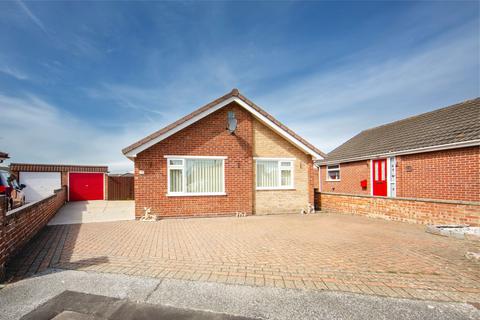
471 203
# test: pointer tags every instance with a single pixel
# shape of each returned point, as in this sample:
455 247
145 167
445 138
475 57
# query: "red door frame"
379 177
96 194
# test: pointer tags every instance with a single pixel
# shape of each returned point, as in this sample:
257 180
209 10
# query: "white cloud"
13 72
38 132
32 16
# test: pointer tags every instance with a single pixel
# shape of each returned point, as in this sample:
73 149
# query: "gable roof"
233 96
455 126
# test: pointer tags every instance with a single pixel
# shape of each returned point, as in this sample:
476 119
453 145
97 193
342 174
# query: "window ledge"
330 180
196 194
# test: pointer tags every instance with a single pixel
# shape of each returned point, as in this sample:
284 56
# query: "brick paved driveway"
320 252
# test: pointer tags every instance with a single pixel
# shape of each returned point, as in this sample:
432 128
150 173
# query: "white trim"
196 157
184 186
184 194
371 177
279 167
274 159
388 178
327 178
214 108
448 146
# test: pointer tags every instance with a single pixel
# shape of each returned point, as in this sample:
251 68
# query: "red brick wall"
451 175
407 210
207 137
21 224
445 175
350 176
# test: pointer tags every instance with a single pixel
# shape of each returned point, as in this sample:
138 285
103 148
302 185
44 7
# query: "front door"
379 168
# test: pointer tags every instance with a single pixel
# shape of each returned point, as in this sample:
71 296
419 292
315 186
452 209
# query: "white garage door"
39 184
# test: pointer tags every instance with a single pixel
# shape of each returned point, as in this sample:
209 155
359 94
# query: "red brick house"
433 156
198 166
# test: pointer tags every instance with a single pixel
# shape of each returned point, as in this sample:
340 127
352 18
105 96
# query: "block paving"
315 252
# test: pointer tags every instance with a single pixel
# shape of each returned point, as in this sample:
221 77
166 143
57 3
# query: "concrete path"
22 297
94 211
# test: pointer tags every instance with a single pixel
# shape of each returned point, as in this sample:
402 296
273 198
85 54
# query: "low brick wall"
20 225
422 211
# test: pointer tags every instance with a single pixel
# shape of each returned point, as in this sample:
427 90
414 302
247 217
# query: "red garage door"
86 186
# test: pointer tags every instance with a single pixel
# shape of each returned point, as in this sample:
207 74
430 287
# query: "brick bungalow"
430 163
228 156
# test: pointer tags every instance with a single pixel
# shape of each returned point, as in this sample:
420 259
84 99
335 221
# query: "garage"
86 186
39 184
83 182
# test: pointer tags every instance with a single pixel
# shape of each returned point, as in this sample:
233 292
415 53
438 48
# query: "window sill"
196 194
328 180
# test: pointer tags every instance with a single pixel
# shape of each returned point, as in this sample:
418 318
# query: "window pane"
267 174
176 180
285 164
382 166
334 175
332 167
376 171
286 178
204 175
176 162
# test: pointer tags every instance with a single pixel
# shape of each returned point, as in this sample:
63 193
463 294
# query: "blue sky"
80 81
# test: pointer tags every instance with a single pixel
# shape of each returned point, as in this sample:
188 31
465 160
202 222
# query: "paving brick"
350 253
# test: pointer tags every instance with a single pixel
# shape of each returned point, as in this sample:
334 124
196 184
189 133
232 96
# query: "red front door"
85 186
379 175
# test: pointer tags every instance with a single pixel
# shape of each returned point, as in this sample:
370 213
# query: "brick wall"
268 143
420 211
206 137
351 174
450 174
445 175
21 224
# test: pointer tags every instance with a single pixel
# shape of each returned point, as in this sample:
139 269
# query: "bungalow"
434 156
228 156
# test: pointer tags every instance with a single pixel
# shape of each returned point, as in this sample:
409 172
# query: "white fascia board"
181 126
214 108
279 130
195 157
456 145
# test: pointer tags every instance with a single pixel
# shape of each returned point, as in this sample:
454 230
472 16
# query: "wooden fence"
120 188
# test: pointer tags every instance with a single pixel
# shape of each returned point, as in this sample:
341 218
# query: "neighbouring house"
432 156
3 156
83 182
228 156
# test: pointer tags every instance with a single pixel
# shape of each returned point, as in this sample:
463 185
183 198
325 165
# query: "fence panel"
120 188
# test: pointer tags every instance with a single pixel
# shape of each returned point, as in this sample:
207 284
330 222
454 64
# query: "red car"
11 189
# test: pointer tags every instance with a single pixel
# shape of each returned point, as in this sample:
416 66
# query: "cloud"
13 72
35 131
330 107
32 16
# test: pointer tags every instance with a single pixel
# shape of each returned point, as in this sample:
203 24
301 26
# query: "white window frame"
183 193
327 178
279 161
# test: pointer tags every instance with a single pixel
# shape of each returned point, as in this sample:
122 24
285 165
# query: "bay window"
274 173
195 175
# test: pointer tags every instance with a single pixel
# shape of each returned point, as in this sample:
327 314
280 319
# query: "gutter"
455 145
